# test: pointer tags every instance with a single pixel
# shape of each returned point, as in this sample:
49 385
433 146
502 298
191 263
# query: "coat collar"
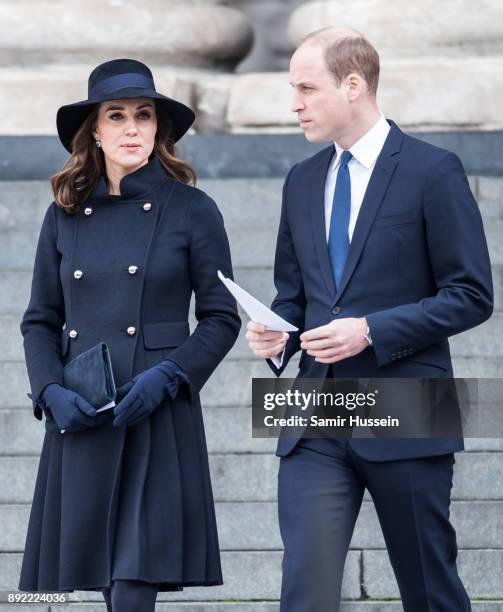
135 184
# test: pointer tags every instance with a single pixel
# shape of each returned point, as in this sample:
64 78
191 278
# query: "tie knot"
345 157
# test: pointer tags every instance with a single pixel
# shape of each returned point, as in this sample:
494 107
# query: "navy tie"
338 237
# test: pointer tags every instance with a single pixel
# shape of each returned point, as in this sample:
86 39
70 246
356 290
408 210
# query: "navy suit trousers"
321 486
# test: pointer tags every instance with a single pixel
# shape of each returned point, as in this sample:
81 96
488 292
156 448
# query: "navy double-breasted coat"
128 502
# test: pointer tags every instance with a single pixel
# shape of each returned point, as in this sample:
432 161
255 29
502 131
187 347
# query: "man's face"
322 107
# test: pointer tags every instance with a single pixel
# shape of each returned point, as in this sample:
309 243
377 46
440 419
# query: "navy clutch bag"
90 375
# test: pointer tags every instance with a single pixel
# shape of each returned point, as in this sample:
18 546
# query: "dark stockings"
131 596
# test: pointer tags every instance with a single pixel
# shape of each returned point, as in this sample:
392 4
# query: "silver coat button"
88 211
147 206
73 333
131 330
132 269
78 274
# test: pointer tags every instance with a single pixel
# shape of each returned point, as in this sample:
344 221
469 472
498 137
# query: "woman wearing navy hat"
123 501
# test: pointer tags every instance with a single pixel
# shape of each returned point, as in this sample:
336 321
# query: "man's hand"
265 343
335 341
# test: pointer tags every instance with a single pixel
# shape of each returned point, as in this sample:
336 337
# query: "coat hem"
164 585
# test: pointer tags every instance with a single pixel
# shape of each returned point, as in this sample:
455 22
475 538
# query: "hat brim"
70 117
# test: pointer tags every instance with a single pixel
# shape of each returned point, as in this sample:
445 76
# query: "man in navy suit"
380 257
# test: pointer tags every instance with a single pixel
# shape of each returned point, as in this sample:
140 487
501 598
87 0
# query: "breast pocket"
161 338
398 219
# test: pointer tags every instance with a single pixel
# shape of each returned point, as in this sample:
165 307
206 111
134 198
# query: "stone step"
478 476
228 430
480 571
255 606
231 383
231 387
259 200
254 526
468 367
23 203
250 209
477 342
258 281
489 195
257 575
247 575
252 245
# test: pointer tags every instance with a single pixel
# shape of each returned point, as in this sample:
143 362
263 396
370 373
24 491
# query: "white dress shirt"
365 153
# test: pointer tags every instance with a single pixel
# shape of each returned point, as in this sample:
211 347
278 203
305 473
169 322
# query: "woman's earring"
98 143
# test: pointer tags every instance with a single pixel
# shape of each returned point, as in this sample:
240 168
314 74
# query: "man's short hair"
347 54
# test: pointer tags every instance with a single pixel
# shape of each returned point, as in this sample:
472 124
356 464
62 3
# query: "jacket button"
132 269
131 330
336 310
73 334
77 274
147 206
88 211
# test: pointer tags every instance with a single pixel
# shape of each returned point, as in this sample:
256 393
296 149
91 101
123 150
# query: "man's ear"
354 85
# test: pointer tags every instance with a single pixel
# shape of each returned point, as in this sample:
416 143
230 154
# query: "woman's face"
126 129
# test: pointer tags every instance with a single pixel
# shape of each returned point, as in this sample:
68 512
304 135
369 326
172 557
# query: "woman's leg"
108 599
133 596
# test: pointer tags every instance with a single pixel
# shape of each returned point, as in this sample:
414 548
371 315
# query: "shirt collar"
366 150
135 184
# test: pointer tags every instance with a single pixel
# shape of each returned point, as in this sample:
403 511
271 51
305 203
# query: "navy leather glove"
69 409
142 395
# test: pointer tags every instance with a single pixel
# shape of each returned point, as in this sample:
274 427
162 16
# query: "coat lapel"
374 195
316 182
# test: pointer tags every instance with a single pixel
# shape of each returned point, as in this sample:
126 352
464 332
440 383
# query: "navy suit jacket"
418 269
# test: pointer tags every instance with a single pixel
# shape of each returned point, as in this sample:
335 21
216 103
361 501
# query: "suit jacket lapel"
374 195
316 183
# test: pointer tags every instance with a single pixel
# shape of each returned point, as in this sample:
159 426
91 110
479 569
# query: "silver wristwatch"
367 336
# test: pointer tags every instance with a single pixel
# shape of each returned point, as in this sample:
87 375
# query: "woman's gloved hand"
143 394
69 409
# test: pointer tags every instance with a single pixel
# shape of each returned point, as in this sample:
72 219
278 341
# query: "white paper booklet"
256 310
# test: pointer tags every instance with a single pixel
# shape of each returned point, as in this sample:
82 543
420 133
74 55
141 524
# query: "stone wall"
442 63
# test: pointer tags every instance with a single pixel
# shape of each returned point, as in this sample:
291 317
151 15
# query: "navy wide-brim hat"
115 80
